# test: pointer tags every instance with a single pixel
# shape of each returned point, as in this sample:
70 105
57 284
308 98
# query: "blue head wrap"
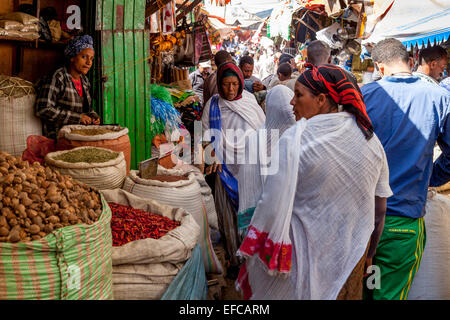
78 44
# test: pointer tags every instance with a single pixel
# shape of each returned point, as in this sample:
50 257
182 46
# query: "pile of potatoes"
36 200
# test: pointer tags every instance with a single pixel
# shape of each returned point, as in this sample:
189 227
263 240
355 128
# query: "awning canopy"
415 22
224 29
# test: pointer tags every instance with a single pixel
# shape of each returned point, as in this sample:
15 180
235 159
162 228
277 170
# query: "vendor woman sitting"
64 98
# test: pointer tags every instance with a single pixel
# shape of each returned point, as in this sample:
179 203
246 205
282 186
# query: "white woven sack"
17 122
184 194
431 281
208 199
66 132
144 269
143 281
106 175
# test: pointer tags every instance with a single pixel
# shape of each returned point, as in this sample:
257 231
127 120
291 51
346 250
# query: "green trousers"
398 257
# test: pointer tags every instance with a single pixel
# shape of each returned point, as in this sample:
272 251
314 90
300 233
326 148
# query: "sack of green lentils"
99 168
71 263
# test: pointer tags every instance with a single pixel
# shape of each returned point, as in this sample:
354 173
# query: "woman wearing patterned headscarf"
314 222
64 97
228 117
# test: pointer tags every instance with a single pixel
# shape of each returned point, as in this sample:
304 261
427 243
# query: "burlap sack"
106 175
430 282
11 25
184 194
55 29
208 199
17 120
71 263
20 17
118 140
143 269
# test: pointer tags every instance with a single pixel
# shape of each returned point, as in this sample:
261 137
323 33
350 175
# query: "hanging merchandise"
329 36
168 18
155 22
221 3
165 118
280 21
202 46
309 23
184 54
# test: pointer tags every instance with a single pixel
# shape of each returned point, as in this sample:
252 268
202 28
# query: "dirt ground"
219 286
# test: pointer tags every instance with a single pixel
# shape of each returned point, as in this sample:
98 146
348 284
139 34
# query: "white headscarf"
258 148
245 115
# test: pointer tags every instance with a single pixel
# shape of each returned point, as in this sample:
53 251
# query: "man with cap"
198 78
64 98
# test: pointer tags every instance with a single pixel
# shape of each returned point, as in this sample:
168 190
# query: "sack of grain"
430 281
30 28
55 29
114 138
99 168
20 17
184 193
11 25
181 169
17 118
143 269
71 263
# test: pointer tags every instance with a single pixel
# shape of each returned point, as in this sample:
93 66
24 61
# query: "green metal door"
125 70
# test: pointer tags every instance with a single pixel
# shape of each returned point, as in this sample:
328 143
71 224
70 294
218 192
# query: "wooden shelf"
8 38
33 43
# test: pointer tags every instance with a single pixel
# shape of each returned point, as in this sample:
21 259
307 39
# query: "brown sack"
118 141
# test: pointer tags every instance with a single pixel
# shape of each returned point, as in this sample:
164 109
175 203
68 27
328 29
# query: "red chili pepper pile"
129 224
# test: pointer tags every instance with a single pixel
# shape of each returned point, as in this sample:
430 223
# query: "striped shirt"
58 102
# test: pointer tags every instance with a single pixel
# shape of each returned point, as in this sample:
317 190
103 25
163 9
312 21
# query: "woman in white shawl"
259 148
231 115
314 223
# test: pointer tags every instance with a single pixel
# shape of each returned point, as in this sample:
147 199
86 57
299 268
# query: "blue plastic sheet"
190 283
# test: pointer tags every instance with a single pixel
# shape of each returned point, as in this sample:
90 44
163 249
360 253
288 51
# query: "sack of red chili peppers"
143 269
180 192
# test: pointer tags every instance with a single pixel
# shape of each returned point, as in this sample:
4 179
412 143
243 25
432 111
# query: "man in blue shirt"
409 116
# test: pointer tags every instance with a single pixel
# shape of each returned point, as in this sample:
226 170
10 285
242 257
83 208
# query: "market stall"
62 201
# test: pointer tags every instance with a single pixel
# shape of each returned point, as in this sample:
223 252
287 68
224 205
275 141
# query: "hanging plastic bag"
185 54
190 283
37 148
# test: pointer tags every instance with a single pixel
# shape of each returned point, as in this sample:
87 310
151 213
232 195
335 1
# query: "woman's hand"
258 86
96 121
85 119
213 168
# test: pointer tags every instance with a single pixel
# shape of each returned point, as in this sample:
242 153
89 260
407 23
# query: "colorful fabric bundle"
214 34
202 46
164 115
188 106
